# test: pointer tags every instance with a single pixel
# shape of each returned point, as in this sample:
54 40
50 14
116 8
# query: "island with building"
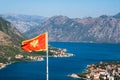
101 71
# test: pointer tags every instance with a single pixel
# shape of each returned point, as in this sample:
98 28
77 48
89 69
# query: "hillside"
10 41
103 29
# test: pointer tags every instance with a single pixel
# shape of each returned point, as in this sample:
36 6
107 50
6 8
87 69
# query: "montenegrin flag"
39 43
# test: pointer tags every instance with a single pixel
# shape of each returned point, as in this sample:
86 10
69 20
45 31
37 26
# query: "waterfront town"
101 71
53 52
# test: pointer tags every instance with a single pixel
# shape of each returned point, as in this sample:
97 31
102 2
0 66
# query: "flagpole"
47 65
47 59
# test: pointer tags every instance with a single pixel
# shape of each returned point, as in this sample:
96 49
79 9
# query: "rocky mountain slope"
103 29
10 41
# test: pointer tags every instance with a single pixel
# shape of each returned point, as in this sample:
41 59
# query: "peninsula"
100 71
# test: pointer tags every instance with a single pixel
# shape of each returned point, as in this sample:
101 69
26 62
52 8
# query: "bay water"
59 68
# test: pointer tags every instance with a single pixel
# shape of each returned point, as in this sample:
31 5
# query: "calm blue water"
59 68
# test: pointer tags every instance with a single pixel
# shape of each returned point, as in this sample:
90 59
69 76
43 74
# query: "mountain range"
102 29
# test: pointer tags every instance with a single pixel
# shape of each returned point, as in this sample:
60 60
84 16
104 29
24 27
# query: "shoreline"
100 71
61 55
36 58
3 65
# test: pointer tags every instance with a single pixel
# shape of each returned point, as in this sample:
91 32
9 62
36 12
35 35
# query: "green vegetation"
7 53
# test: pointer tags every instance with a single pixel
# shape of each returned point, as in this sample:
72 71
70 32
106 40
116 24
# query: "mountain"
10 41
103 29
117 16
58 28
24 22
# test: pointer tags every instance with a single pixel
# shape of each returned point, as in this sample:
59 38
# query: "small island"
101 71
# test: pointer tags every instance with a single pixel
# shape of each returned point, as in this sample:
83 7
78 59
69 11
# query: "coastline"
61 55
76 76
3 65
34 58
100 71
73 75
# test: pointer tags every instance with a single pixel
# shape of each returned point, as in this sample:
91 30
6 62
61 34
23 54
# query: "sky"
70 8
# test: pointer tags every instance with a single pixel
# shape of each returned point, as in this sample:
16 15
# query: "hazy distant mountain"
103 29
117 16
24 22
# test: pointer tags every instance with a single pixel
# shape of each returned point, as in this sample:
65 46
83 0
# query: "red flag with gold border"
39 43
